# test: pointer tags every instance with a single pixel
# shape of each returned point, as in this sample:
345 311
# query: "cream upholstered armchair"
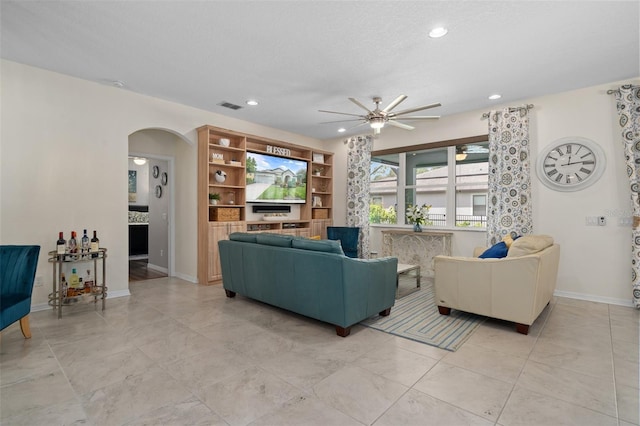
514 288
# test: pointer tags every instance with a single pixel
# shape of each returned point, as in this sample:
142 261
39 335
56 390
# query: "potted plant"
214 198
318 171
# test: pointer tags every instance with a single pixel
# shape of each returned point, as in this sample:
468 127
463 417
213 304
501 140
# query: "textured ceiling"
298 57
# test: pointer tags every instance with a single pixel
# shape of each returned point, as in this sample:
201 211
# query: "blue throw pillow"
497 251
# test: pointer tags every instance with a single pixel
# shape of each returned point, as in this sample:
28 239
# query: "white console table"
416 248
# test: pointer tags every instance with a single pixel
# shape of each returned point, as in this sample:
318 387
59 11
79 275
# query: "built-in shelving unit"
222 157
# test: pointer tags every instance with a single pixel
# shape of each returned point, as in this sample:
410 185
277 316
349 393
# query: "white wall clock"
571 164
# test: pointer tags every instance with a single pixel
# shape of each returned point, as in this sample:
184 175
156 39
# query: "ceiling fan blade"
357 125
420 117
395 103
400 125
407 111
343 113
343 121
355 101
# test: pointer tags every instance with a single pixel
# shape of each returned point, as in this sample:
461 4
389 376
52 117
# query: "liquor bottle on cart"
61 244
95 244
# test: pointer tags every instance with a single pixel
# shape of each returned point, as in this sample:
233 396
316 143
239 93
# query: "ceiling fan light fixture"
438 32
376 122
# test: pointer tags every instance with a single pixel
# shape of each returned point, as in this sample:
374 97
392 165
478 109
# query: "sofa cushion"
328 246
496 251
529 244
274 240
244 237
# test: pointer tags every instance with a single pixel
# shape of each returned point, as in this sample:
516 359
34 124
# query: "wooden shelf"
214 156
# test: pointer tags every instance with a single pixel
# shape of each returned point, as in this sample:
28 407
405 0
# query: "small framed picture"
318 158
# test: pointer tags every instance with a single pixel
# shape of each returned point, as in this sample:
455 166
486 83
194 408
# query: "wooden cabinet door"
219 231
319 227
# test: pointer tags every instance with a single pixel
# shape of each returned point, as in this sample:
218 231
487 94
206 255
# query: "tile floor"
175 353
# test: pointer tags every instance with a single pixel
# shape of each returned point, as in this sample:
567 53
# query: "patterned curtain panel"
358 177
628 98
509 208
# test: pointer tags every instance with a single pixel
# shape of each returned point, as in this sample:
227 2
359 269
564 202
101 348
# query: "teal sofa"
309 277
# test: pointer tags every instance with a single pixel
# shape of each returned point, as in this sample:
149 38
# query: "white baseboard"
110 295
591 298
186 277
157 268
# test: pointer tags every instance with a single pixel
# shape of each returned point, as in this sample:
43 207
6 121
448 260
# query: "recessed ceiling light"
495 96
438 32
252 102
342 130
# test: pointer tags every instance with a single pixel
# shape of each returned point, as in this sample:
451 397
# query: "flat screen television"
272 179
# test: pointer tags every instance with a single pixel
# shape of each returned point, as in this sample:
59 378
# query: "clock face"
571 164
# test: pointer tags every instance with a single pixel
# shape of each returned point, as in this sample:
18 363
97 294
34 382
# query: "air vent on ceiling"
229 105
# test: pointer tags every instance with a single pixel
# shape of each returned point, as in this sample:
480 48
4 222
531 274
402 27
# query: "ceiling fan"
379 117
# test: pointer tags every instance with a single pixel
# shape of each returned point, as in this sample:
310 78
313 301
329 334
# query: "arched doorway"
152 204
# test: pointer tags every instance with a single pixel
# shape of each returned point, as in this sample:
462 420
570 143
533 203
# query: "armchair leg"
24 326
444 310
522 328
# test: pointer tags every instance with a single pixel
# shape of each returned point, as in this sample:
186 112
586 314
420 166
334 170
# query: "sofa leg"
522 328
342 331
385 313
444 310
230 293
24 326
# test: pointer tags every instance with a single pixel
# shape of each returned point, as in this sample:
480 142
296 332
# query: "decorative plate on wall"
158 191
165 178
571 164
156 171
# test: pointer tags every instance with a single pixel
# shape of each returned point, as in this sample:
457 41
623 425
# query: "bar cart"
58 298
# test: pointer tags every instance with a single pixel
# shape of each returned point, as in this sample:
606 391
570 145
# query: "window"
450 176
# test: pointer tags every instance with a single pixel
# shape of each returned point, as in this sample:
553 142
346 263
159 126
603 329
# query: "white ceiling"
296 57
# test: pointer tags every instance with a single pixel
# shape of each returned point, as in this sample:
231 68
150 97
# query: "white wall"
595 261
64 148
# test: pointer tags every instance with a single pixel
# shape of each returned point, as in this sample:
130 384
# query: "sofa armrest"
369 286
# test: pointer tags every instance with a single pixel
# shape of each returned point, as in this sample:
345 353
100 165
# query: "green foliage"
378 214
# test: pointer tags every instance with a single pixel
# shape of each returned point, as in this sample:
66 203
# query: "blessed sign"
278 150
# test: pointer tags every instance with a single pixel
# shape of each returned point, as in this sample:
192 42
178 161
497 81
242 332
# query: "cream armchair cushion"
514 288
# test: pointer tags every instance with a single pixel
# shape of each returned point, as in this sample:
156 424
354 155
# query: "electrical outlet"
602 221
39 282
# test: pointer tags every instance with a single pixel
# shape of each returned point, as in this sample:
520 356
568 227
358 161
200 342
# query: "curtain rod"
612 91
511 109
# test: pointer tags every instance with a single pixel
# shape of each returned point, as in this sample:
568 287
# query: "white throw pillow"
529 244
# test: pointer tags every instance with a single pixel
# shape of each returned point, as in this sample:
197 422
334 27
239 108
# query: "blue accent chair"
17 272
348 236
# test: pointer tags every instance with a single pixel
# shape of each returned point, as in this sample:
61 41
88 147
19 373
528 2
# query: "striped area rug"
416 317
